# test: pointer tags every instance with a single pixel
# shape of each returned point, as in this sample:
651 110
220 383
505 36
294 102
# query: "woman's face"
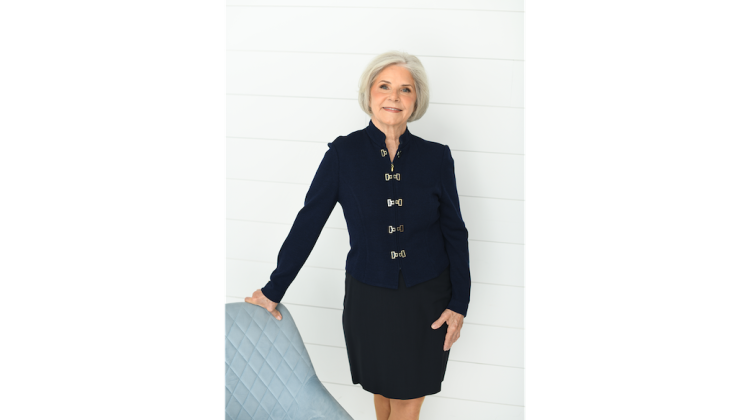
392 96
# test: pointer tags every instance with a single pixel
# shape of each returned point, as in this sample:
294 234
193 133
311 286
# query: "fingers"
276 314
449 340
258 298
439 322
451 337
455 322
454 327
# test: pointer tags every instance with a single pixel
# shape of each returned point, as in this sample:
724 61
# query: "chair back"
269 374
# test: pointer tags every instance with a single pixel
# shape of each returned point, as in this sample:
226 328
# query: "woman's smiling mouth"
391 109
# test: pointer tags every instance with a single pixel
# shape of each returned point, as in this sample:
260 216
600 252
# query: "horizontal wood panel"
489 175
477 174
494 384
272 202
500 306
469 128
355 400
294 73
319 325
312 286
433 32
489 345
469 381
496 263
488 219
438 408
264 201
331 363
274 160
472 128
501 5
517 84
496 305
303 119
262 241
451 80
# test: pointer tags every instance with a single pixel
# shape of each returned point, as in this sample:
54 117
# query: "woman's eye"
407 90
383 86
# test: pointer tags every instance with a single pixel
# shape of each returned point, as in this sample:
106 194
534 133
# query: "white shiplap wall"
292 72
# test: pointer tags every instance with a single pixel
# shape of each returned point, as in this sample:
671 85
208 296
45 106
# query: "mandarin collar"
378 137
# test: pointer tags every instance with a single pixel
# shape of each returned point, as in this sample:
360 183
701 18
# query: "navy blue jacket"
400 216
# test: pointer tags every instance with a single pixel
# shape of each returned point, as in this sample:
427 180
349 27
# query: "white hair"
402 59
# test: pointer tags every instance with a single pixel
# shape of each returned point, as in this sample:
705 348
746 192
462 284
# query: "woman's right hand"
258 298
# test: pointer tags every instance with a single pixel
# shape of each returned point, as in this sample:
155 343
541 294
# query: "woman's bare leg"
382 407
406 409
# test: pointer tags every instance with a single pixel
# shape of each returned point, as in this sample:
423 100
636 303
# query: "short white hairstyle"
402 59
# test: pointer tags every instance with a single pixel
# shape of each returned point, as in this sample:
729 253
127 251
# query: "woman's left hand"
455 322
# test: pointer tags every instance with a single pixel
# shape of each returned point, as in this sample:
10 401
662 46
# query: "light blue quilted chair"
269 374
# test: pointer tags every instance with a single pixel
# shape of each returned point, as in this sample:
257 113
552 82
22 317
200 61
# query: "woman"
407 273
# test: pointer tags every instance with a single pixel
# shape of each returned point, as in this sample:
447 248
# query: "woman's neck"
392 132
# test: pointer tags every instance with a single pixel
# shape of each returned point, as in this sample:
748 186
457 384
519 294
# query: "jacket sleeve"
320 200
455 235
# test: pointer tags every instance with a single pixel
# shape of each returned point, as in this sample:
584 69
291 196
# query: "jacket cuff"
458 307
271 293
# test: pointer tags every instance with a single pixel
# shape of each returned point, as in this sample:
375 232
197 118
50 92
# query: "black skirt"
393 350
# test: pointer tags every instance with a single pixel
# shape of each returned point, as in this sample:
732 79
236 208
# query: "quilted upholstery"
269 374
